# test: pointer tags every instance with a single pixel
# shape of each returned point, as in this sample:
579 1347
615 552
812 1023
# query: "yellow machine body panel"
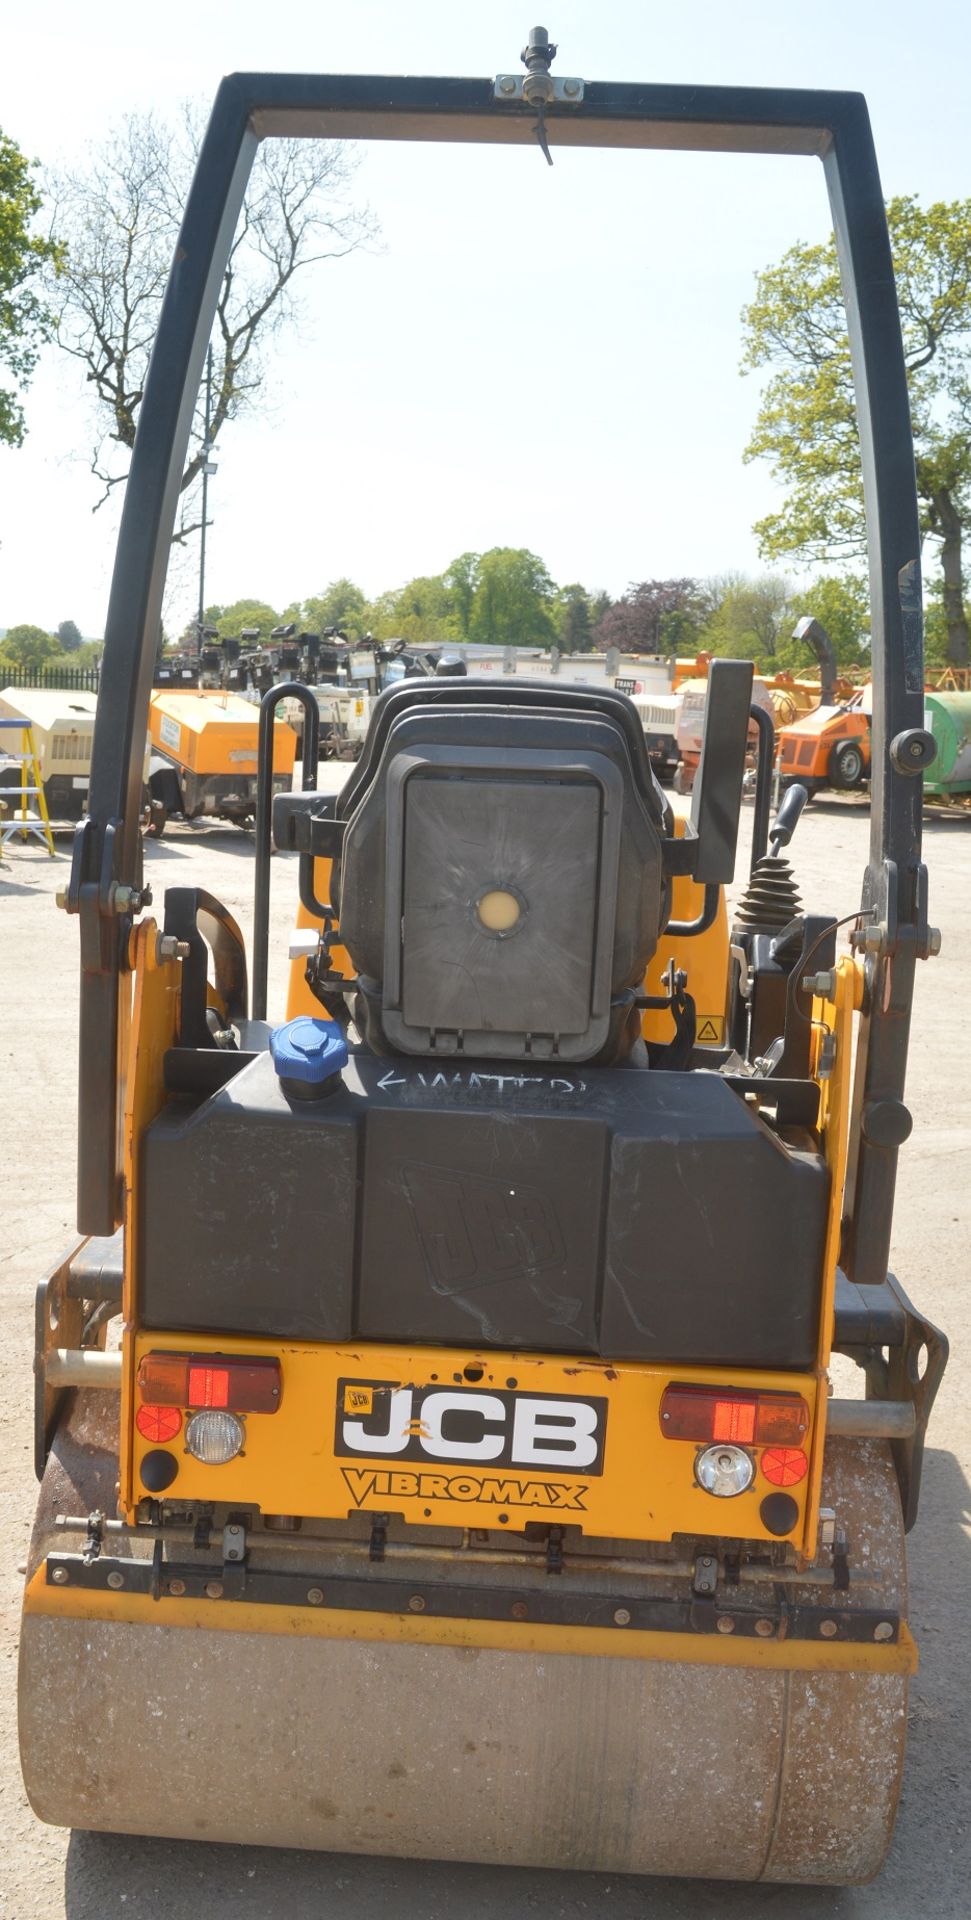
574 1440
702 956
215 732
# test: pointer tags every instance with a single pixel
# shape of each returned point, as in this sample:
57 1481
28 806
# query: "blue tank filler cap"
309 1056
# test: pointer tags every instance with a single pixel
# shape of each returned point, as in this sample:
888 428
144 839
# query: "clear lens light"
215 1437
725 1471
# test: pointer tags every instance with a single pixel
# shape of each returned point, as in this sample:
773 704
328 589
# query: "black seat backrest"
501 887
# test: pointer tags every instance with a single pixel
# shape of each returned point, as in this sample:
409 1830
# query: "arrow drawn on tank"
390 1079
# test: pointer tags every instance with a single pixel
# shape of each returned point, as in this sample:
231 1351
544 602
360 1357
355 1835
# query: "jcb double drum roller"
437 1447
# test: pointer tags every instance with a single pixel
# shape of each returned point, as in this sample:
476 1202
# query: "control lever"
787 819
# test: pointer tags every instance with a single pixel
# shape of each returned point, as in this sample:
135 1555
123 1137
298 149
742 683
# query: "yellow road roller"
437 1442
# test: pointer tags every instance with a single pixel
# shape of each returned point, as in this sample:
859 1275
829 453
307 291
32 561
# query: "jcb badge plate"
431 1425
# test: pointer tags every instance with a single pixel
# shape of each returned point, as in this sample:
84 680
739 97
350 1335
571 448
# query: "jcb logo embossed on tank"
474 1230
556 1431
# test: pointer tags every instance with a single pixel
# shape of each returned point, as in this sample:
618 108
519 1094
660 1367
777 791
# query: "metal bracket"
234 1542
554 1550
705 1581
511 88
93 1539
772 1619
234 1557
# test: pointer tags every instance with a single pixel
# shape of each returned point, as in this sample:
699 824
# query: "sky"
530 357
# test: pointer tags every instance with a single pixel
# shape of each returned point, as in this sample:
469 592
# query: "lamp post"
208 468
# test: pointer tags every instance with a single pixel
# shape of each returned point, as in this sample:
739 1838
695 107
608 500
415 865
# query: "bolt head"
59 1576
214 1589
933 941
116 1580
167 947
725 1624
571 88
177 1587
519 1610
883 1630
622 1616
416 1603
315 1596
828 1629
507 86
764 1629
60 899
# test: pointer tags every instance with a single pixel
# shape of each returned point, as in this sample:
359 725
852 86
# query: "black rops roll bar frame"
106 881
309 756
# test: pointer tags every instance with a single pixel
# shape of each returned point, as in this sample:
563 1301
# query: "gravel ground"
87 1877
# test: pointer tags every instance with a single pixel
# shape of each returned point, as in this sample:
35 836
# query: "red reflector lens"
247 1385
208 1386
158 1423
746 1419
784 1466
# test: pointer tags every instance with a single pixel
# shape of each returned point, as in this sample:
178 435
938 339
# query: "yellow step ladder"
30 788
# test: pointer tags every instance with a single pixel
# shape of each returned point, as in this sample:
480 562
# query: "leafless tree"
116 221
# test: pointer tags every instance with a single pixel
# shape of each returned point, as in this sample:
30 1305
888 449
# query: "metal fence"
60 679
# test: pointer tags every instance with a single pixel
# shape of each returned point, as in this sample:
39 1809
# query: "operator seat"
500 882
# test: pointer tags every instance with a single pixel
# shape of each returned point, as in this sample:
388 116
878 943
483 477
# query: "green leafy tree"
27 646
231 620
574 625
841 604
342 605
25 321
513 603
462 578
806 422
421 612
750 620
69 636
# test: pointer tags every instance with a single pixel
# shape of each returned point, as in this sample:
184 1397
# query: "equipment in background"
461 1477
829 747
19 760
816 638
658 714
204 757
690 724
62 726
947 714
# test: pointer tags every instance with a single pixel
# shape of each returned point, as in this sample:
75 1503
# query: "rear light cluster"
208 1392
725 1422
748 1419
187 1380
